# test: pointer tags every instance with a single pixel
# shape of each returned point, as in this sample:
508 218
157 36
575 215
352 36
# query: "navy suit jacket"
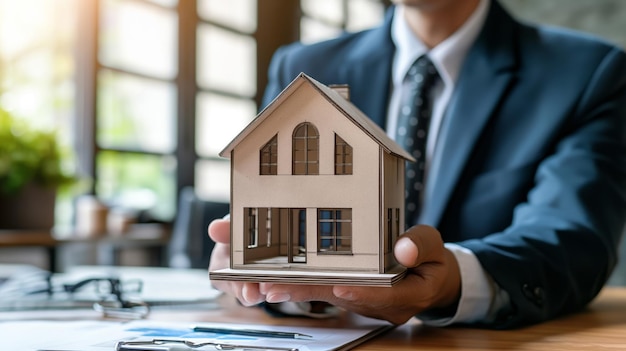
529 170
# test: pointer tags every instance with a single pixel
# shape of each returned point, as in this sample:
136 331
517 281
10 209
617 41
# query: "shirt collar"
447 56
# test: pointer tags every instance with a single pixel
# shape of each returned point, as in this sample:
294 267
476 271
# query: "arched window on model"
343 156
269 157
306 142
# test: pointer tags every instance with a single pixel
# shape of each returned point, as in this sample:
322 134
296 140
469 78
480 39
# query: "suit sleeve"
562 244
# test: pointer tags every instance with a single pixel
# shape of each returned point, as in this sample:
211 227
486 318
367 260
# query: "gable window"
334 230
305 150
269 157
343 156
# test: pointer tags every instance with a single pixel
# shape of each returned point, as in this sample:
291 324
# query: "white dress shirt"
481 298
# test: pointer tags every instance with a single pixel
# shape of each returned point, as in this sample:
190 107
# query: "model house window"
269 157
252 227
334 230
390 224
268 227
393 227
397 224
305 149
343 156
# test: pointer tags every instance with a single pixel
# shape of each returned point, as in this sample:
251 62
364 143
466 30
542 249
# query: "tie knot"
422 71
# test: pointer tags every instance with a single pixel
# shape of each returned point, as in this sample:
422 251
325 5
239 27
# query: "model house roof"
341 104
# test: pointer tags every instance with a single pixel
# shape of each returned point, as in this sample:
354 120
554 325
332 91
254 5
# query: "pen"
253 332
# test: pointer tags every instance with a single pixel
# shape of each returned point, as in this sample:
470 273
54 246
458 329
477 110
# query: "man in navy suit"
526 179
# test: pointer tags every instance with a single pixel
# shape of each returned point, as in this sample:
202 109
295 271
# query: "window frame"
278 23
338 220
305 149
268 157
252 227
344 157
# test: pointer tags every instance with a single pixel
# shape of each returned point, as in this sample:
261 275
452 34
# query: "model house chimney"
342 89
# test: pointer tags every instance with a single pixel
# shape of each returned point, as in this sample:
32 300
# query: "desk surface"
602 326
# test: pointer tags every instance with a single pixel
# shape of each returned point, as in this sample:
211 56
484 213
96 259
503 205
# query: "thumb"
219 231
418 245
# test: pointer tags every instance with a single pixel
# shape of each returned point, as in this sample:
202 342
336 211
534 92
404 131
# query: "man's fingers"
288 292
250 294
247 293
220 256
219 231
418 245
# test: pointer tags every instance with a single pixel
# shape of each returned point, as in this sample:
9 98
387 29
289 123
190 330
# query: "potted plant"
30 174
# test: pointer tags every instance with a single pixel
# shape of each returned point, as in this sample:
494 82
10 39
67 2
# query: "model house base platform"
310 278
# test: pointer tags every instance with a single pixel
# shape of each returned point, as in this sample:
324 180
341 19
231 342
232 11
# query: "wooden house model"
317 193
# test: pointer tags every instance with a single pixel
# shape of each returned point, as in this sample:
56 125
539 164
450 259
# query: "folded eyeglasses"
105 294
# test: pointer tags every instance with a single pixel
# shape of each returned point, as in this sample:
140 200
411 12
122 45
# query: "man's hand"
247 293
433 280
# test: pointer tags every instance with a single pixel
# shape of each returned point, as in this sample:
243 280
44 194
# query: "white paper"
103 335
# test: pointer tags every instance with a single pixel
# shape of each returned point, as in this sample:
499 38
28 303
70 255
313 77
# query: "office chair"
190 245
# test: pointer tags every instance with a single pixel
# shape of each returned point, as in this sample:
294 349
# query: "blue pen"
252 332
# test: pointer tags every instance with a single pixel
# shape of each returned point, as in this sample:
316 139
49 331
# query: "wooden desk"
602 326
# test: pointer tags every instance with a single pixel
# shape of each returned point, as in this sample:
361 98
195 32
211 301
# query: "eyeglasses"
107 295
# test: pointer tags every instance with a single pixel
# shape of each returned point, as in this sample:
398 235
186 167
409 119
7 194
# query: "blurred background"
143 94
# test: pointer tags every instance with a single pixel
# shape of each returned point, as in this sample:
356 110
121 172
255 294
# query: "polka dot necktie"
412 132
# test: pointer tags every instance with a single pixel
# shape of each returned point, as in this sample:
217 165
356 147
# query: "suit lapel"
486 75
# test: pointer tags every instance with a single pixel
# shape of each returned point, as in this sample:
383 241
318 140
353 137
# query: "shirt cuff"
480 298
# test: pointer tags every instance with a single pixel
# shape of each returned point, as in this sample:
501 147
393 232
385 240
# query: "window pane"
129 107
269 157
335 230
37 72
327 10
139 38
363 14
252 228
604 18
37 62
140 182
343 156
313 31
219 119
213 180
226 61
167 3
238 14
